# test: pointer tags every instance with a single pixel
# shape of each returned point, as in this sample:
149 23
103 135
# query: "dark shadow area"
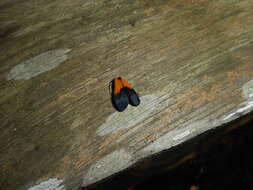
221 159
227 164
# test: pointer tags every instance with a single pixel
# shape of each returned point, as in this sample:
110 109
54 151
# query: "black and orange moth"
122 94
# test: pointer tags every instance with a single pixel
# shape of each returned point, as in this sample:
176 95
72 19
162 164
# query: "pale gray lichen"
108 165
39 64
51 184
246 106
132 115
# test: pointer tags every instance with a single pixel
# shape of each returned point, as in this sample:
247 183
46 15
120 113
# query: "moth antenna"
110 87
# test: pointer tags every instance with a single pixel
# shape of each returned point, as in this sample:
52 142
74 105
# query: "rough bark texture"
190 61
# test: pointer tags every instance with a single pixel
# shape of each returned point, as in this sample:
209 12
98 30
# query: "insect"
123 94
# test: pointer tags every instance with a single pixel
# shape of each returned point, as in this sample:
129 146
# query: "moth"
122 94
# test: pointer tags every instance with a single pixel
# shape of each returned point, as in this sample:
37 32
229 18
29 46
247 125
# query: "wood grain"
190 61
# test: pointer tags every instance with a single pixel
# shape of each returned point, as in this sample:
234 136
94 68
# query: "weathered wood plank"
191 62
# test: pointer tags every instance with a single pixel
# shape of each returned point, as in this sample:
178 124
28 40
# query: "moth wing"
120 101
133 97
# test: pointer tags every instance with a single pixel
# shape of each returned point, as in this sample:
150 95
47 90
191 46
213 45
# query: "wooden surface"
190 61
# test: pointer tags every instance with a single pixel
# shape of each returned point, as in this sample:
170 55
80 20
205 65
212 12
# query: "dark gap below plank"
219 159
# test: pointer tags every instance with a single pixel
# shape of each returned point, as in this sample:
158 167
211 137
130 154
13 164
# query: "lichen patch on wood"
39 64
132 115
246 106
248 90
51 184
177 136
107 165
